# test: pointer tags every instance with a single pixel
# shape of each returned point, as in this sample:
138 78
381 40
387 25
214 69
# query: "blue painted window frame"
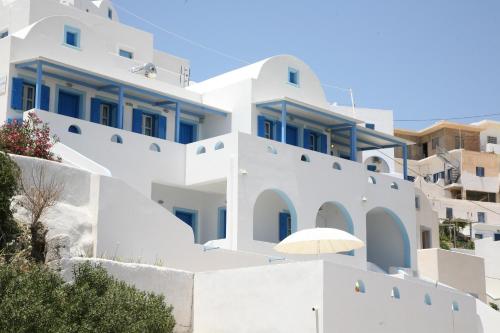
195 219
126 54
293 77
480 171
72 30
370 126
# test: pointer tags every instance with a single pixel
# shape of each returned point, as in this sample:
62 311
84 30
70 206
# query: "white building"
237 163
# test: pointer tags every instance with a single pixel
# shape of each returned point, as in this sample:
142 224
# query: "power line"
185 39
451 118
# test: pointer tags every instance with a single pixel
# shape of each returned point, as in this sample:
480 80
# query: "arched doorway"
377 164
274 216
387 242
334 215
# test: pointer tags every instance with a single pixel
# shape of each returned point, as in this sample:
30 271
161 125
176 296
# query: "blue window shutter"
137 121
261 120
95 110
323 144
113 115
17 94
283 226
277 128
305 142
45 98
162 127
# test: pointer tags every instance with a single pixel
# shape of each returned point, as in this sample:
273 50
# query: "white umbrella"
319 240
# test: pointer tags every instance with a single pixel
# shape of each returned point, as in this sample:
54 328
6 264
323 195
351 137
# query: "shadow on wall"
274 216
387 242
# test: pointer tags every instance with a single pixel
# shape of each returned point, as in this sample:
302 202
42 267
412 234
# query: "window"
370 126
480 196
117 139
268 129
449 213
293 76
489 139
4 34
459 142
435 143
481 217
105 115
496 237
417 202
480 171
312 142
110 13
72 36
427 299
479 236
126 54
395 293
147 125
28 97
371 167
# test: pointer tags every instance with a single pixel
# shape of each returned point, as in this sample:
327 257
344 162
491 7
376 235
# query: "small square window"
370 126
4 34
490 139
72 36
126 54
479 236
480 171
293 76
449 213
481 217
110 14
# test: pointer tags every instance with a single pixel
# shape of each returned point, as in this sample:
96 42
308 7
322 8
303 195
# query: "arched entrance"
377 164
334 215
274 216
387 242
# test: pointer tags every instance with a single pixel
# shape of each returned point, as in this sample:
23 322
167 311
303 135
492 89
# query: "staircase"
448 160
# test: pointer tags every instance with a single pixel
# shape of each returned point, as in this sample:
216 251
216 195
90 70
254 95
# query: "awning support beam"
38 90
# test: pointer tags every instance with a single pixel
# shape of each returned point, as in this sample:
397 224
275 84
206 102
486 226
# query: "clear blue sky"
421 58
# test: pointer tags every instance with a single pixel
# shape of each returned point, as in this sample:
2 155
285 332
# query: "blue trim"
296 74
354 142
177 121
404 236
200 107
332 116
283 122
195 127
121 107
195 219
82 94
405 161
38 88
76 32
221 226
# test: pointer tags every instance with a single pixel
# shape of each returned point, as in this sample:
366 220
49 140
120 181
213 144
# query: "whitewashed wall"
330 289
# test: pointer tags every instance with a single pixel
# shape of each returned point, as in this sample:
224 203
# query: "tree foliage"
30 137
9 175
35 299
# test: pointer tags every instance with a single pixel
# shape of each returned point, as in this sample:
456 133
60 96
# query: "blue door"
292 135
69 104
187 217
285 225
187 133
222 223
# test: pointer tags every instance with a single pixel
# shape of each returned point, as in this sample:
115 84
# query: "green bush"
9 176
35 299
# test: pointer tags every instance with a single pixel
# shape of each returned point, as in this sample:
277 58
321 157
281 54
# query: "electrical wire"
450 118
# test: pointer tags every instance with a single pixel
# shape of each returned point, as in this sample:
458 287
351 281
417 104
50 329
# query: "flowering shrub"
30 137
